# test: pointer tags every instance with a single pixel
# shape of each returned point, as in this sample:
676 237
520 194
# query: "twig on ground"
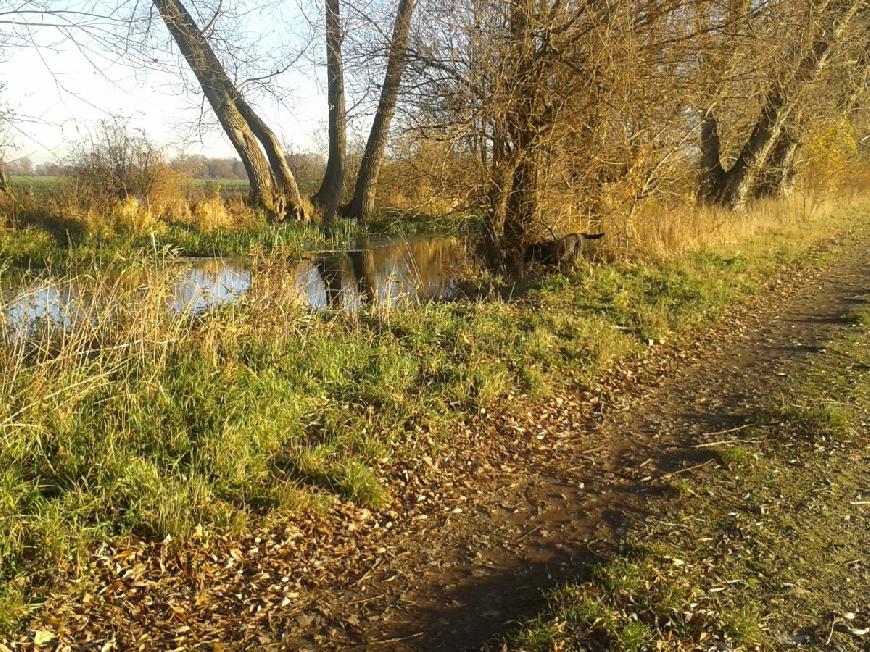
725 432
831 633
398 639
368 572
728 441
364 600
691 468
528 533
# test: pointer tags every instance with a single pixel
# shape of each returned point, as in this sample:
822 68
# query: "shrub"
118 163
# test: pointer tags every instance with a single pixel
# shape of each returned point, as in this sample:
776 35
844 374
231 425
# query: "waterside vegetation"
130 420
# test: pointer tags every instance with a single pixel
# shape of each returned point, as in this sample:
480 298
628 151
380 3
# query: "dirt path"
576 498
526 500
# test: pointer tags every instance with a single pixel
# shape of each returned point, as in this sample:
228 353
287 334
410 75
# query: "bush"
119 164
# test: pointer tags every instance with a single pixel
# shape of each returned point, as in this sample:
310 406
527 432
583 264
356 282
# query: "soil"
576 501
532 496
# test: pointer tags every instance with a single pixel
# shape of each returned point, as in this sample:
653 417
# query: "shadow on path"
557 521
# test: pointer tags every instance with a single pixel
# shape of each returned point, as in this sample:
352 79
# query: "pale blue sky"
59 95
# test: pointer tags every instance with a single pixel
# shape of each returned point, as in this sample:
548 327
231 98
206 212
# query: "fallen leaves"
43 637
292 577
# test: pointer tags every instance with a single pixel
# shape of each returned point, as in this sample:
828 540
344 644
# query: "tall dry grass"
657 231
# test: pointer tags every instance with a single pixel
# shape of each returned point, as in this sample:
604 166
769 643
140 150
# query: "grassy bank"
764 551
44 184
54 247
37 247
134 420
51 221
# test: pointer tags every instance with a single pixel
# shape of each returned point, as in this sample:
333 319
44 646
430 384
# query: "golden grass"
656 231
69 208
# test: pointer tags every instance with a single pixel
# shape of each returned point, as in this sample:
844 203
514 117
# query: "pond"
381 270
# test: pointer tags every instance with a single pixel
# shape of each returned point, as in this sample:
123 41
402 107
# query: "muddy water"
374 270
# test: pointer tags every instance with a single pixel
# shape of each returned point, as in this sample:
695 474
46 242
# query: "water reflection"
379 271
209 283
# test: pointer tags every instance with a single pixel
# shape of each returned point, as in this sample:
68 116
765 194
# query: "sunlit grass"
132 419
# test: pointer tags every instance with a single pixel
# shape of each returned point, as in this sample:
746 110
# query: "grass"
34 247
754 555
831 420
731 456
133 420
37 183
51 221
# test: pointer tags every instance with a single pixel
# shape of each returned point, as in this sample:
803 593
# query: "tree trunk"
733 187
778 174
273 187
514 200
738 181
362 204
522 210
328 197
288 199
712 174
496 215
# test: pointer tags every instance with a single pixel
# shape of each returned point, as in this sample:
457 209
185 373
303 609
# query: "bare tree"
362 203
328 197
273 185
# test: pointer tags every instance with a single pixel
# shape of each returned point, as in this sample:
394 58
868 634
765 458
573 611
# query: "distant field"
227 186
36 184
34 181
44 184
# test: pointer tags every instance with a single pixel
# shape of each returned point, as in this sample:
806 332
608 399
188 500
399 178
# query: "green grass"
590 615
44 222
46 226
35 247
731 456
136 421
38 183
831 420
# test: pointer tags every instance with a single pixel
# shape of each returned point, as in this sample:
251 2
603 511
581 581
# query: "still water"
373 270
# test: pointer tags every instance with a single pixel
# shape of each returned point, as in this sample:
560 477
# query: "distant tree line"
196 166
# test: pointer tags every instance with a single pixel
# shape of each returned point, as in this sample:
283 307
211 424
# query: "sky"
59 94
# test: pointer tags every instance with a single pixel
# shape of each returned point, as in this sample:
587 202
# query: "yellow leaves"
834 137
43 637
826 150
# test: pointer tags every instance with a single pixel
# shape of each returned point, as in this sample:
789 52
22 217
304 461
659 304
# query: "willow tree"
525 84
328 197
273 186
764 162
